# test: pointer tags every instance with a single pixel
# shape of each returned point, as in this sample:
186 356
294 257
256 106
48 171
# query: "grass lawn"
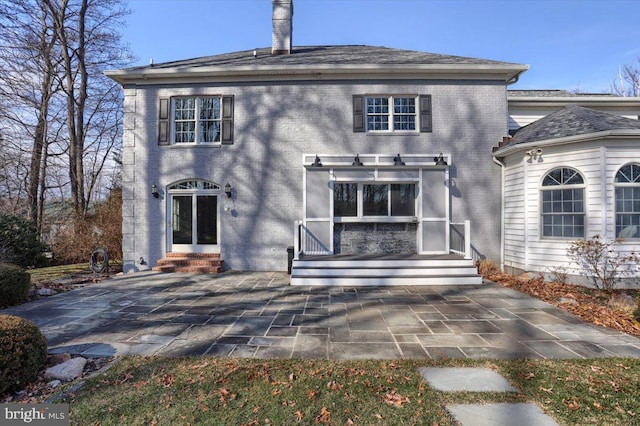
218 391
57 272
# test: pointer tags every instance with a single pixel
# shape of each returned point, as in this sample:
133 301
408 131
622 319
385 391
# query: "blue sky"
569 44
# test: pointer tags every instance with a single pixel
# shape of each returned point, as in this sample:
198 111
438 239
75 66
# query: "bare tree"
628 81
89 43
29 65
57 109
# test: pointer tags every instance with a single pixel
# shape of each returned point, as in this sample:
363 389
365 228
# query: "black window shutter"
425 113
358 113
163 122
227 120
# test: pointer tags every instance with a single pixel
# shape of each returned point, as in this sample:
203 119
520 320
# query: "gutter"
502 206
506 72
613 134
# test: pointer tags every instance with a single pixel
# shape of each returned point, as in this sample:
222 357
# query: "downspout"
502 206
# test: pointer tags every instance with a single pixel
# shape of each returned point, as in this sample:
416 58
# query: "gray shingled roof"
323 55
553 93
572 120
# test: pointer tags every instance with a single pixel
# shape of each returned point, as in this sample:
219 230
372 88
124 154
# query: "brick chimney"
282 27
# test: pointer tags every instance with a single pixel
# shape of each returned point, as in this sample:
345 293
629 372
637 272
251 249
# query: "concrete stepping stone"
500 414
466 380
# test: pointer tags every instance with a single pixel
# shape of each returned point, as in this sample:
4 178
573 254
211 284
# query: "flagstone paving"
259 315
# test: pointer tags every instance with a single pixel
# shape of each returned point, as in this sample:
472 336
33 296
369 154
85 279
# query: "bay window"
627 193
563 205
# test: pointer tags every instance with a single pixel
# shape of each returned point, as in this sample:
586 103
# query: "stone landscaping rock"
46 292
66 371
54 383
622 301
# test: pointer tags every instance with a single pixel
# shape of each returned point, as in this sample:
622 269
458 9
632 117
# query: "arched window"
563 204
627 188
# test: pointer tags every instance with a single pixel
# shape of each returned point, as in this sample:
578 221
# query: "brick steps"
192 263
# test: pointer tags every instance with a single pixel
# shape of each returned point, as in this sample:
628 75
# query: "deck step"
384 272
193 263
355 281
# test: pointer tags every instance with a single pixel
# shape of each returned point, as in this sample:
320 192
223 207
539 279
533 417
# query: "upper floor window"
563 204
197 119
627 192
391 113
205 120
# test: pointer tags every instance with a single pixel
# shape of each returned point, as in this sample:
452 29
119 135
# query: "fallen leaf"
311 394
573 405
324 416
276 392
395 399
299 415
167 380
547 390
333 385
529 376
349 422
597 405
378 416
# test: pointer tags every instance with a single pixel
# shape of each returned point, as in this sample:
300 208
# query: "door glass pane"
182 219
207 219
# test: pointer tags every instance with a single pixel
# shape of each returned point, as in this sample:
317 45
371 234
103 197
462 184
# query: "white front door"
193 222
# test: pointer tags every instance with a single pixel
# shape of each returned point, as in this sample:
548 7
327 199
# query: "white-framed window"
627 193
197 119
364 200
563 212
391 114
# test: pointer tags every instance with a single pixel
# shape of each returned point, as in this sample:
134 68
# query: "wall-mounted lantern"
227 190
154 191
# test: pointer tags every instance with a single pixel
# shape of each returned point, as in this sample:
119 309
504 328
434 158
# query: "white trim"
148 75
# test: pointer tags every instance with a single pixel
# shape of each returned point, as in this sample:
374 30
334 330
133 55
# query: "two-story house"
375 157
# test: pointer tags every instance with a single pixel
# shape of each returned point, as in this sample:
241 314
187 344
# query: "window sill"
194 145
378 219
390 133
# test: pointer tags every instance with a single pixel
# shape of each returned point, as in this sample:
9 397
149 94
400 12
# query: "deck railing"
460 239
305 242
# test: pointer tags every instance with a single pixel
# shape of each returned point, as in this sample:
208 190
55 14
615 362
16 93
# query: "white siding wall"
274 125
514 215
598 164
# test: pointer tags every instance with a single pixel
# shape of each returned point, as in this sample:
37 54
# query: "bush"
20 243
487 268
23 352
14 285
77 237
601 261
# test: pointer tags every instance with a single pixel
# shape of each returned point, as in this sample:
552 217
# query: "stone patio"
259 315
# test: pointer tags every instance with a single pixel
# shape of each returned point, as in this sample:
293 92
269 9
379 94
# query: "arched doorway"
193 212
